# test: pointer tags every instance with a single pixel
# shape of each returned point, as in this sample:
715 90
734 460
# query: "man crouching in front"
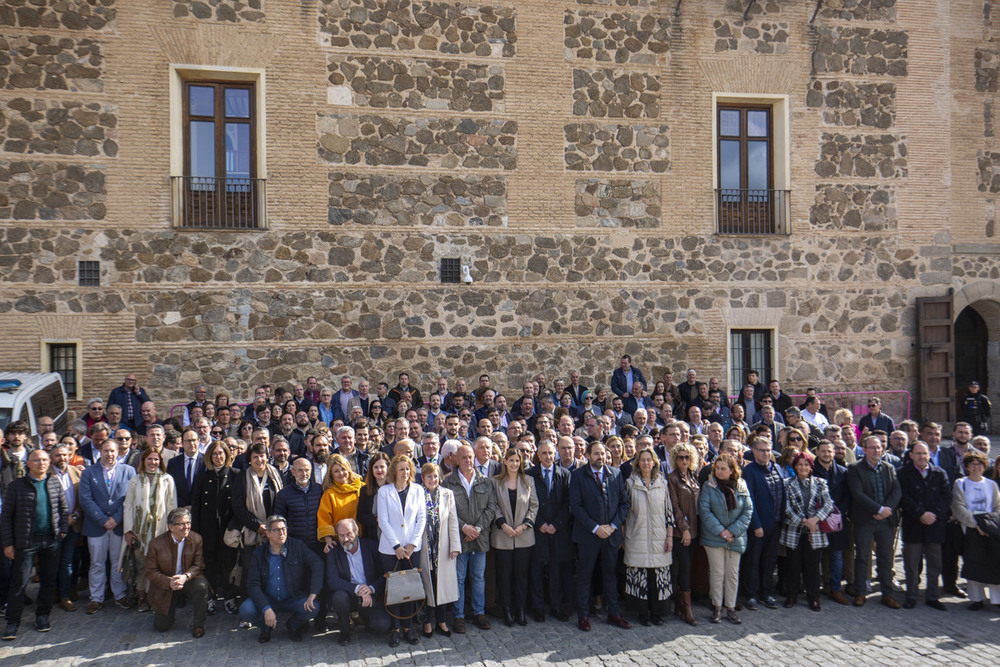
174 566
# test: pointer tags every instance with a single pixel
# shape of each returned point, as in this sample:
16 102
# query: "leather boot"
686 609
508 618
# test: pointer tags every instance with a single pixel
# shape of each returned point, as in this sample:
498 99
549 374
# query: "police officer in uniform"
976 409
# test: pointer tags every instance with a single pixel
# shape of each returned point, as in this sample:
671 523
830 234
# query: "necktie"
190 472
548 479
597 474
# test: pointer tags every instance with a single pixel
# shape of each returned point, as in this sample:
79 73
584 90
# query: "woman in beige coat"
649 538
442 544
513 535
150 497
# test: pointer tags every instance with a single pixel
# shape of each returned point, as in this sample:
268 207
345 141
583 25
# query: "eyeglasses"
125 438
873 405
183 524
95 408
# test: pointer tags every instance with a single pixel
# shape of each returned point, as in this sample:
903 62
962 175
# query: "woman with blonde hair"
513 535
341 489
150 497
649 538
615 447
684 490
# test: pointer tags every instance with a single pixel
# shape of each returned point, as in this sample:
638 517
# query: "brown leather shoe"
838 597
93 607
482 622
890 603
584 624
814 605
859 600
459 626
67 605
198 632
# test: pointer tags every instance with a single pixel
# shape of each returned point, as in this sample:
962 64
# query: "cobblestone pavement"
836 636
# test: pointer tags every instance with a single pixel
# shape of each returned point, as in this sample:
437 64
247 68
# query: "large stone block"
862 155
987 62
849 104
752 36
44 62
229 11
860 51
615 93
989 171
372 81
627 148
616 37
61 128
401 25
448 143
617 203
424 200
35 190
869 208
59 14
862 10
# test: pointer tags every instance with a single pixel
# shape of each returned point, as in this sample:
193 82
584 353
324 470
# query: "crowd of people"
566 502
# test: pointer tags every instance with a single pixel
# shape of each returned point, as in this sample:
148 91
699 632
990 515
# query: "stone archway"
984 298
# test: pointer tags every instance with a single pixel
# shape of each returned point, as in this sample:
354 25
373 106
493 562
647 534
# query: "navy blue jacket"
175 468
122 397
299 509
338 569
619 381
763 505
303 572
593 504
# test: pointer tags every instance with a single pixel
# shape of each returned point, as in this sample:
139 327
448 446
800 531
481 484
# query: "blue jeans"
836 569
67 549
472 563
250 613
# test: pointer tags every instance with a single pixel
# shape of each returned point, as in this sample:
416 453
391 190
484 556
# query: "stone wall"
862 10
989 171
618 37
642 4
849 104
445 27
751 37
61 128
630 148
870 208
862 155
617 203
59 14
987 62
232 11
32 190
371 81
422 142
615 93
425 200
44 62
860 51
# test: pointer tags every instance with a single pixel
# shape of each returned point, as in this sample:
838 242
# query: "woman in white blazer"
442 545
402 515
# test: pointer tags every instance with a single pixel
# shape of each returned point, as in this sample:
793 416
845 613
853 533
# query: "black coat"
920 495
836 482
553 508
212 505
17 522
367 518
175 468
982 554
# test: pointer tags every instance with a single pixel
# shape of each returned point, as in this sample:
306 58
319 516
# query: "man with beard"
318 451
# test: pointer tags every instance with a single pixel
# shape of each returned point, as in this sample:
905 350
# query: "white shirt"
180 554
817 420
467 483
67 485
357 564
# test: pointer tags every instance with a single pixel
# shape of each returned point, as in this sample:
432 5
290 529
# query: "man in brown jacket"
169 573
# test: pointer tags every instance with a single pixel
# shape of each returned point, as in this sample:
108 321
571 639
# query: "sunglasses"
684 458
795 439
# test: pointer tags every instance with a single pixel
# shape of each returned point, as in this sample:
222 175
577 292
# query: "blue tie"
190 472
548 479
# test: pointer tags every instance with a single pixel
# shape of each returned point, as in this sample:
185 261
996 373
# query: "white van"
28 396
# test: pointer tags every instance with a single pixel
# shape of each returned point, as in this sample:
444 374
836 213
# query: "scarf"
728 488
255 498
148 511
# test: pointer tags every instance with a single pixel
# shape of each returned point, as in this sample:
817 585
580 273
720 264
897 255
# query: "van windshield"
4 417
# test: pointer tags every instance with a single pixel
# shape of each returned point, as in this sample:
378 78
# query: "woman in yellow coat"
341 489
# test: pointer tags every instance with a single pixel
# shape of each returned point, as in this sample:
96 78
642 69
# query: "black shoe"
319 625
644 620
770 602
910 604
295 634
265 635
975 606
539 616
394 639
561 616
508 618
428 633
344 638
751 604
522 620
232 606
656 620
10 633
936 604
443 633
412 638
42 623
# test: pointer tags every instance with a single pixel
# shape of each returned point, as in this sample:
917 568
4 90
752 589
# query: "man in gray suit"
875 493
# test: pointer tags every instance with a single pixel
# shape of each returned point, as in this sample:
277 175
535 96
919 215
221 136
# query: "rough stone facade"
849 104
467 29
233 11
442 201
599 147
421 84
563 151
45 62
59 14
617 203
753 37
424 142
616 37
615 93
62 128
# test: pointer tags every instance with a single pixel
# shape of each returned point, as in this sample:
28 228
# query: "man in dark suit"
576 389
625 376
875 495
130 397
599 502
185 468
484 463
926 499
948 459
360 588
553 541
876 420
90 451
